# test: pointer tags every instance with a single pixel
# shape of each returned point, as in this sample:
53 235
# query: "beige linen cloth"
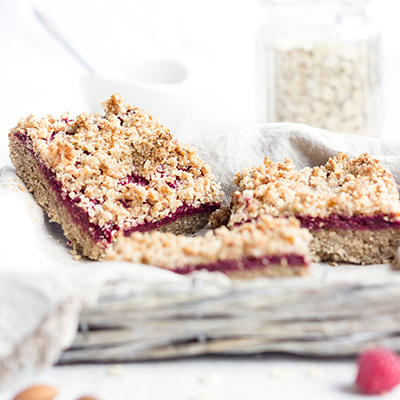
42 288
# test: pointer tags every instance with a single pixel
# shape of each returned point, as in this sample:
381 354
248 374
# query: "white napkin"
42 288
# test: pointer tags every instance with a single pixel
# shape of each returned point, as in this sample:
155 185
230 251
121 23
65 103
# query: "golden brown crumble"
357 187
93 157
268 236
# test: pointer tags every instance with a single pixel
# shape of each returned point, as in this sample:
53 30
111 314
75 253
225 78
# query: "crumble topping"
357 187
123 168
268 236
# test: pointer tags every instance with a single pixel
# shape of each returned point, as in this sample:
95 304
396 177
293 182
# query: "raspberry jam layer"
373 222
104 235
291 260
184 210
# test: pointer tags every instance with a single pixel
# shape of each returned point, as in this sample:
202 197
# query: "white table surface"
39 76
263 377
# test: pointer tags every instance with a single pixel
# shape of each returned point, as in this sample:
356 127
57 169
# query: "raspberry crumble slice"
122 172
271 247
351 207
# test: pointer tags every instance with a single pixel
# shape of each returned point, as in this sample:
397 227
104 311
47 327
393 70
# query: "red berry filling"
291 260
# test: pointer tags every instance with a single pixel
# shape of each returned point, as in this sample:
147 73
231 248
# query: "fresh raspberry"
378 371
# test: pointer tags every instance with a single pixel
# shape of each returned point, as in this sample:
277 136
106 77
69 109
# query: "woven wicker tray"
336 311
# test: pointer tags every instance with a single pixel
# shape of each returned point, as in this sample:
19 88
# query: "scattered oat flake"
280 373
210 378
202 397
75 255
314 373
21 187
116 369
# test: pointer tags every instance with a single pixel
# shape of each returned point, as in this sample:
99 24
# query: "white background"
215 38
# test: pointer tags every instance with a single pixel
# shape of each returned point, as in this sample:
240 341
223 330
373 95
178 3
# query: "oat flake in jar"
319 64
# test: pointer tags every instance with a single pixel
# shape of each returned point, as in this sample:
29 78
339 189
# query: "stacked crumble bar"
270 247
351 207
102 175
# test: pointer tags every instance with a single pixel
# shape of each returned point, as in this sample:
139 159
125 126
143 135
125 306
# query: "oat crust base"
272 271
358 246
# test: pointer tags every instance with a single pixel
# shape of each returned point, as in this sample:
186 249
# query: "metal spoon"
50 28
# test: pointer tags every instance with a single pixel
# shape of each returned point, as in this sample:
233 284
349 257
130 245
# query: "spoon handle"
50 28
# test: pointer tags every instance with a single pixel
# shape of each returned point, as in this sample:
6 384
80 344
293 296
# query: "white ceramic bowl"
160 87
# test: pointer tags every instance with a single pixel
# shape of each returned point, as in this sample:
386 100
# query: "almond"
40 392
87 398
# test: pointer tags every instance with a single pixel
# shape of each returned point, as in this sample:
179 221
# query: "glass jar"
319 64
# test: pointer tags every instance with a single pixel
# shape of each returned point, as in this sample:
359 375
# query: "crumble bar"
271 247
351 207
121 172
